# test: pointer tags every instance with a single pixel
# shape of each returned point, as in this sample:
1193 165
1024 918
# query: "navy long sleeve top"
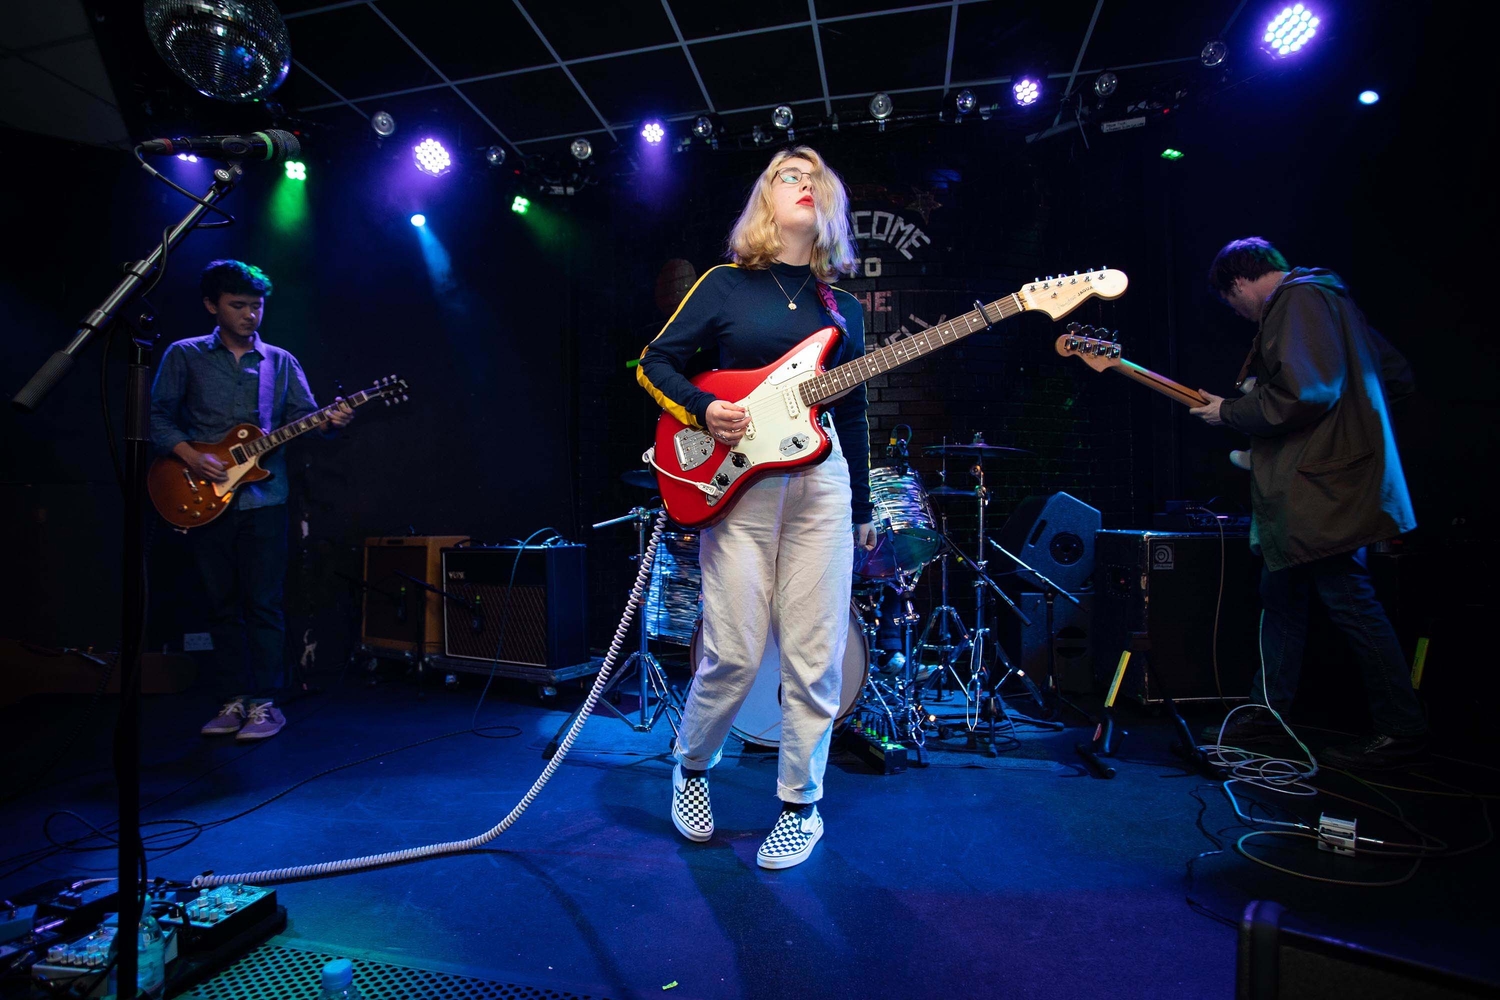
743 314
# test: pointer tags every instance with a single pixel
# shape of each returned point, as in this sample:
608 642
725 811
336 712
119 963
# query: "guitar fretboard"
847 376
312 421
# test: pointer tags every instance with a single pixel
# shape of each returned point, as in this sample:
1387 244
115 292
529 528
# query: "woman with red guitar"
782 559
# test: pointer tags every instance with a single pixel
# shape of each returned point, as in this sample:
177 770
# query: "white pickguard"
235 473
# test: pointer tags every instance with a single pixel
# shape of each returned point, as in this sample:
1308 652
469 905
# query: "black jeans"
1343 584
242 558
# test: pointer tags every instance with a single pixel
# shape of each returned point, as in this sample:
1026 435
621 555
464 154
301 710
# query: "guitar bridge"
693 447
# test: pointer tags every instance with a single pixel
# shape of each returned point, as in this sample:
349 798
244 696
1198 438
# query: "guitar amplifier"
399 615
1166 585
543 613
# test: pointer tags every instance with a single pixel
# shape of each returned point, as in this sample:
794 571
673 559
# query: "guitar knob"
183 507
197 513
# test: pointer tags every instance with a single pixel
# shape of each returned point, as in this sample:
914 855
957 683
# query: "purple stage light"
1288 31
653 132
187 157
1026 91
431 157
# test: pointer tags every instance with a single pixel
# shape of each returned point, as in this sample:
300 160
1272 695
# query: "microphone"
272 144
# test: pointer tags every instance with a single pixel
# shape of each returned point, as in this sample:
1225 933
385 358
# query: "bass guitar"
700 477
186 501
1103 354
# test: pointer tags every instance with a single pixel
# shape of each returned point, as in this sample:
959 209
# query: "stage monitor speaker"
1165 585
1277 962
1055 536
543 615
1072 629
399 615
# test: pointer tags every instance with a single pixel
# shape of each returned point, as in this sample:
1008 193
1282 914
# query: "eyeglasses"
791 175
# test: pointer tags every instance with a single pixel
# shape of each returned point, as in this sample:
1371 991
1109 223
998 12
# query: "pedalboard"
209 918
882 755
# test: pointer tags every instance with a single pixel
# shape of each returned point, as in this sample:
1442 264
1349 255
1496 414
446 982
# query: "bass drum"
759 718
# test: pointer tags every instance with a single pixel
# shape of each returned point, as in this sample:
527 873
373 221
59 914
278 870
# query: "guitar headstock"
1060 295
391 390
1098 348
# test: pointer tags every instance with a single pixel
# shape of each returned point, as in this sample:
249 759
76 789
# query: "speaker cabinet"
1166 585
539 621
1055 536
400 616
1073 641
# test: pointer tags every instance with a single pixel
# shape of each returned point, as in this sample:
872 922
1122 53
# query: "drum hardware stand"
1050 592
647 670
943 616
991 706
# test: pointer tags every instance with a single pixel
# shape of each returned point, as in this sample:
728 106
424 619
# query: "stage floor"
1019 876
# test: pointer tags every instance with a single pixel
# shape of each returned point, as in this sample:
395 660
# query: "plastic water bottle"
338 981
151 958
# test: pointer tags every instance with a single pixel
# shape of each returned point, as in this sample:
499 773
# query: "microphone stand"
1050 592
130 857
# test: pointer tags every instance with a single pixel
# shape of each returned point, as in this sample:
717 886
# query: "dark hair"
232 277
1248 258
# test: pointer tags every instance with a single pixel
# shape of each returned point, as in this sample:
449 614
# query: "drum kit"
911 538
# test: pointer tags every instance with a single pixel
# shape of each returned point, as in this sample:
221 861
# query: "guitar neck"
312 421
839 380
1162 384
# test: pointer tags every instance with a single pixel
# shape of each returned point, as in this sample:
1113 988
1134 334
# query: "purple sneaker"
229 720
263 721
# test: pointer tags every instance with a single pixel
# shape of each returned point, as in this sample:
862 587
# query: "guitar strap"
267 393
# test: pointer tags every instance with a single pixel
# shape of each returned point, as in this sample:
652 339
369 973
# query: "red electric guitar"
701 477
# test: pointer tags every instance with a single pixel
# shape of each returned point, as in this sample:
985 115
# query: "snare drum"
759 718
908 537
672 605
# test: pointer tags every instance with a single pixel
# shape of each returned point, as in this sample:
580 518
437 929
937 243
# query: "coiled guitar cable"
632 607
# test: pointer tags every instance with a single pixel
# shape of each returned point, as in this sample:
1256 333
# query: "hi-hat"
974 450
644 478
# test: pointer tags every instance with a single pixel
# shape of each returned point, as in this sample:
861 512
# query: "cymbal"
950 491
974 450
644 478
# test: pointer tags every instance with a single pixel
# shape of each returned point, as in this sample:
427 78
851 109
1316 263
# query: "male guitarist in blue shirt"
204 387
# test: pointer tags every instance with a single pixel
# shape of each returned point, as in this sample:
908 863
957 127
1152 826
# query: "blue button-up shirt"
202 391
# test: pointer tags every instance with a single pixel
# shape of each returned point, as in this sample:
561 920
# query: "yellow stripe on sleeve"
676 409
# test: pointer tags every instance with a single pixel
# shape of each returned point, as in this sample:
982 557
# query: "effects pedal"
84 964
882 755
209 918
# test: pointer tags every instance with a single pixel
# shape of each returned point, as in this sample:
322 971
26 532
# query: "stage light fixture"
653 132
187 157
1106 83
1026 91
1214 52
1171 154
494 155
703 127
431 157
1368 97
881 107
296 170
782 117
759 136
383 124
965 102
1288 31
520 204
581 149
419 220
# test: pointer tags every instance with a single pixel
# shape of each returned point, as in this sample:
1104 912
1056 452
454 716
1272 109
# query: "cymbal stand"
647 671
947 620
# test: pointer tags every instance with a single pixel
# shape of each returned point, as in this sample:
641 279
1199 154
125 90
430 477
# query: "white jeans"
783 559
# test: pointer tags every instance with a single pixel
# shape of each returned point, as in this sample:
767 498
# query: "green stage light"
1171 154
520 205
296 170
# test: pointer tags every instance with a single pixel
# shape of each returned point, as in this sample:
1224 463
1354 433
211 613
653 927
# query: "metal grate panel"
273 972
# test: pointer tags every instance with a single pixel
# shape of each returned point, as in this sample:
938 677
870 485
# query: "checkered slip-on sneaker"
262 722
229 720
692 813
791 840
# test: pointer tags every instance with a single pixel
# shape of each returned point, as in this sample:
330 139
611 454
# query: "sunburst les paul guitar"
701 477
1103 354
187 501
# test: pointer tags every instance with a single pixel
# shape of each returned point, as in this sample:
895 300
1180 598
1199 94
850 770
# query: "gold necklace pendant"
791 305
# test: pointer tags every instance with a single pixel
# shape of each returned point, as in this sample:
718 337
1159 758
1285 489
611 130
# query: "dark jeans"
242 560
1343 584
